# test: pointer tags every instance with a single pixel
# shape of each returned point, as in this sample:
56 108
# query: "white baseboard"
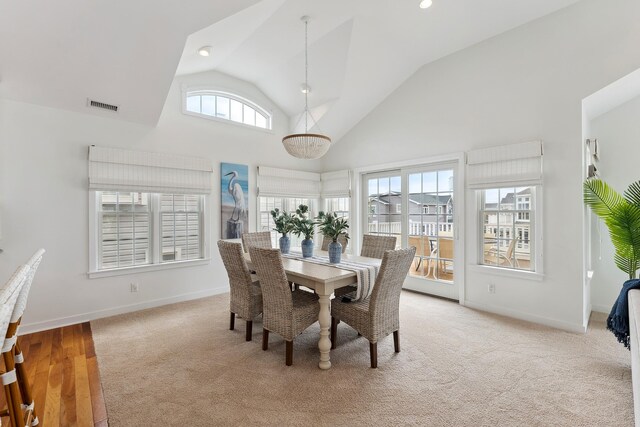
554 323
86 317
606 309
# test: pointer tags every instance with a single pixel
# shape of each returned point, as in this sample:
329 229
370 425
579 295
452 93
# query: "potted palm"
305 226
621 214
332 226
284 225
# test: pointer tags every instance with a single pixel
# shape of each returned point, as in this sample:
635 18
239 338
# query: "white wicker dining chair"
245 294
286 313
12 349
379 314
8 297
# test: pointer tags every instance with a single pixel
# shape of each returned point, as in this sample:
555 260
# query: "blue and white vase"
335 252
285 244
307 248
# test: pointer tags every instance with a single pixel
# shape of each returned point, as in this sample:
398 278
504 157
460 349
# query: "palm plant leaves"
633 194
622 217
600 197
626 264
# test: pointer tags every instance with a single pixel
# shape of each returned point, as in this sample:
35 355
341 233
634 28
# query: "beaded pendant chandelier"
306 145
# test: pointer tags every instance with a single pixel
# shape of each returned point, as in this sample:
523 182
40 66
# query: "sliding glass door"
417 205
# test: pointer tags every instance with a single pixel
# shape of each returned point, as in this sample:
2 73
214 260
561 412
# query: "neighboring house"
511 219
428 214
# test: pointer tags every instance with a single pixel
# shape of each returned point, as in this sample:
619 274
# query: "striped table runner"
365 273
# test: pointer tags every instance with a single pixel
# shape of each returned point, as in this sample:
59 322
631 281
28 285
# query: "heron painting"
234 181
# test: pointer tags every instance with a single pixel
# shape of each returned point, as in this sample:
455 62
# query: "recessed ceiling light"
305 88
424 4
204 51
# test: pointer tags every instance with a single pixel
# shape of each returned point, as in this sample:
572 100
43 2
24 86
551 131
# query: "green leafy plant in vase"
304 226
332 226
283 222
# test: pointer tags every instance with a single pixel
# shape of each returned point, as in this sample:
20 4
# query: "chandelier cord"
306 77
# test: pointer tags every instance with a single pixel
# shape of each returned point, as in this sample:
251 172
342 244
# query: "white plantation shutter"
117 169
515 164
274 182
336 184
181 227
125 230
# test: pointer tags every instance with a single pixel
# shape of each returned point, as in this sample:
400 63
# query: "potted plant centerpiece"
332 226
303 225
284 225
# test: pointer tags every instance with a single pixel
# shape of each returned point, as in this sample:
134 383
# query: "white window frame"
536 241
235 96
155 241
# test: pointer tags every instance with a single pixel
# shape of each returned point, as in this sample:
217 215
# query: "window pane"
507 228
429 182
193 103
445 180
181 228
261 121
209 105
222 107
236 110
249 115
491 199
125 227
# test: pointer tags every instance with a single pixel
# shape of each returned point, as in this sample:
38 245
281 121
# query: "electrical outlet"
133 287
492 288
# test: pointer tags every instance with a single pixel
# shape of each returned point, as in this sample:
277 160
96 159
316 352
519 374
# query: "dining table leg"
324 318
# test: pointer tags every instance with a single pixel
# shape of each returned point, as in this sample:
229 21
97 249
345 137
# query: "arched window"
227 106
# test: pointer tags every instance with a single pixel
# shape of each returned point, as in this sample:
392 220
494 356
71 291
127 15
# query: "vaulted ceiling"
126 53
59 53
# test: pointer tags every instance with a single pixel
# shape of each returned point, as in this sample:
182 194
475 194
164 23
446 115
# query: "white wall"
618 134
522 85
44 175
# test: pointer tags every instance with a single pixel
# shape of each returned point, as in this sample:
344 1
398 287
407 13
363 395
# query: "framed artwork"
234 195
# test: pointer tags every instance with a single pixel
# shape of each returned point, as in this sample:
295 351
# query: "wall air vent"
102 105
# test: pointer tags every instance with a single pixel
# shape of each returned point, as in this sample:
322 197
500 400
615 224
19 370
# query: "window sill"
145 268
507 272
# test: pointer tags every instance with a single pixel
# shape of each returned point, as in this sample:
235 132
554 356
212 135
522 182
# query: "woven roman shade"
336 184
118 169
274 182
514 164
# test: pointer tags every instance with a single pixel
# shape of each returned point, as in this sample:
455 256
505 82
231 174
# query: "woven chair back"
237 270
260 239
276 292
393 270
375 246
8 297
21 303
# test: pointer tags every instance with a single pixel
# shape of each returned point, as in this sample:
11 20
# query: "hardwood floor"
64 377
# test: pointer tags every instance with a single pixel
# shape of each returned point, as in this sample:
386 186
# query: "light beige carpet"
179 365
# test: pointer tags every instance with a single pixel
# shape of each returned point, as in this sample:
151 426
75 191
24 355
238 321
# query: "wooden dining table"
324 279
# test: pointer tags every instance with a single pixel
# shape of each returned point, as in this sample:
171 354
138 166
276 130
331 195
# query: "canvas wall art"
234 181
